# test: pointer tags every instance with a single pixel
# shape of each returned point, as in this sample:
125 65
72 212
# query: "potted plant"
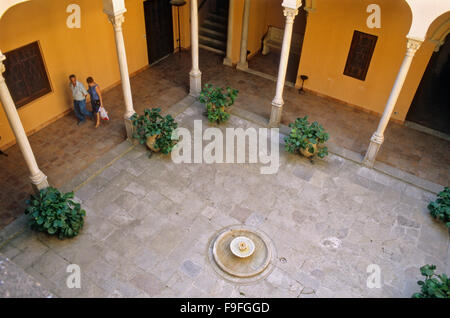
440 209
155 130
55 213
305 138
217 102
434 286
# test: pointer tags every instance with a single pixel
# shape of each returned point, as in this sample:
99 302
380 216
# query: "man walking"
79 100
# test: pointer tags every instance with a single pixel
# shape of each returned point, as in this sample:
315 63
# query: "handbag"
103 113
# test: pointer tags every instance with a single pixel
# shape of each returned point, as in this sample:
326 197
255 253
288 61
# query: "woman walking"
96 99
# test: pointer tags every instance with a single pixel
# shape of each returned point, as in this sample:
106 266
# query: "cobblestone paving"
149 223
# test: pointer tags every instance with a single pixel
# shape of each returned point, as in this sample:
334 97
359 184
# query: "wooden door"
159 29
431 104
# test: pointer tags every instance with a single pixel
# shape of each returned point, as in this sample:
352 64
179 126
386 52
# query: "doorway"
268 64
159 29
431 104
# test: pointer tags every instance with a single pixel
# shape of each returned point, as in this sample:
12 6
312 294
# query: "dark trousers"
80 109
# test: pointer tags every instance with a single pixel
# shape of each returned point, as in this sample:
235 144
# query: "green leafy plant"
306 137
55 213
217 101
440 209
434 286
152 125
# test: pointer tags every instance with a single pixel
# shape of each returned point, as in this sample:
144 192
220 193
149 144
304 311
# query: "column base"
228 62
130 130
195 78
242 66
371 154
39 182
275 115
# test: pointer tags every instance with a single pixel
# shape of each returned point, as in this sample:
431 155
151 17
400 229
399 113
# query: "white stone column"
243 64
277 103
195 76
117 20
378 137
228 59
38 178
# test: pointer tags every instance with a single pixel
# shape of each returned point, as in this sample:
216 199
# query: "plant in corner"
217 101
434 286
440 209
305 138
55 213
155 130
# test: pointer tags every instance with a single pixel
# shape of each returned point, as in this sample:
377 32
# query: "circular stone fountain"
242 254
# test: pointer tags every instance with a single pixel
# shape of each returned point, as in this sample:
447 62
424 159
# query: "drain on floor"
242 254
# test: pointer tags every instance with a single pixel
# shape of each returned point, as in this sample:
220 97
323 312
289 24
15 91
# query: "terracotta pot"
306 153
222 108
151 143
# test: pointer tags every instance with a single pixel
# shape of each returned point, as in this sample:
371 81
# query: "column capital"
290 14
412 46
117 20
2 66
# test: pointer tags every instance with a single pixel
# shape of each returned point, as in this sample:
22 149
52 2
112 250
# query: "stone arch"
5 5
425 13
439 30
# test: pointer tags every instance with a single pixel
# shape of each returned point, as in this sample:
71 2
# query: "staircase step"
219 27
217 18
213 34
205 47
212 41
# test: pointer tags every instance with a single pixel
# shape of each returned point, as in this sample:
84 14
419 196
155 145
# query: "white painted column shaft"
277 103
243 64
117 21
195 75
378 137
228 59
38 178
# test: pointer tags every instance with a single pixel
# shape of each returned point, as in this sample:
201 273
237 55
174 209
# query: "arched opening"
430 106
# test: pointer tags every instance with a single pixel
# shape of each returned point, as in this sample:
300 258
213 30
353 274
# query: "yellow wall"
326 45
89 51
329 32
257 25
237 30
327 42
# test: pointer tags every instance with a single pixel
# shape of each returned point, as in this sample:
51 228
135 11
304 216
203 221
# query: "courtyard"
64 150
150 222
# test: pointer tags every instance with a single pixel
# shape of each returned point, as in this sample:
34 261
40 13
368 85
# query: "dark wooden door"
431 104
159 29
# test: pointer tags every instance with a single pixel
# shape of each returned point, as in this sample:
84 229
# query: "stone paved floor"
63 149
149 222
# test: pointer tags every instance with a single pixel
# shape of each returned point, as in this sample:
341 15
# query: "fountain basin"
234 264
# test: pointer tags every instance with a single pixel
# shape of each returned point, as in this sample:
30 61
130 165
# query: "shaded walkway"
63 149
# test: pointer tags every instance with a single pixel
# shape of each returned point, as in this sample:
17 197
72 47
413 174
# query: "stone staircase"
213 32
